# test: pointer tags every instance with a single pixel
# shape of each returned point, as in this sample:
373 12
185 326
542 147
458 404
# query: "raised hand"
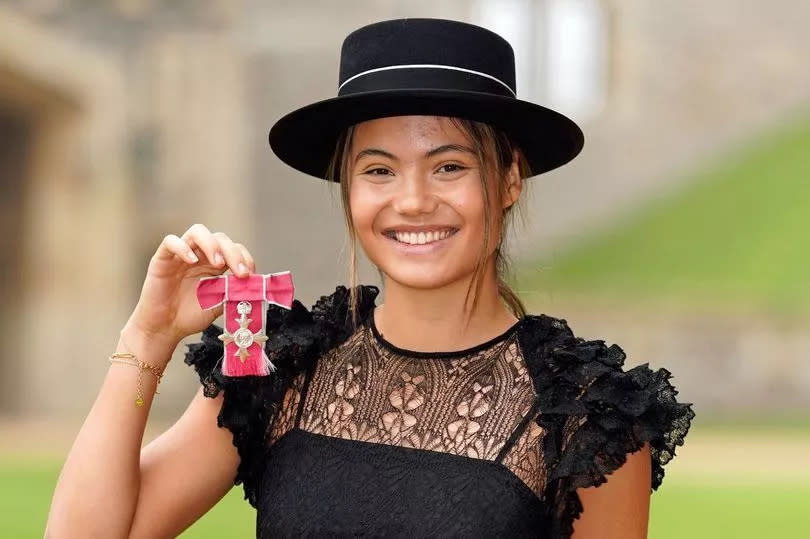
167 308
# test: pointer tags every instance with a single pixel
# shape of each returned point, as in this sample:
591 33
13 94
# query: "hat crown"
426 53
433 67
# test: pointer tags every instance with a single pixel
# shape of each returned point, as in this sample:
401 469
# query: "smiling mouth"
420 238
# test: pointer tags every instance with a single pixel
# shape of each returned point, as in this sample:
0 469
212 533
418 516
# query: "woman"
447 410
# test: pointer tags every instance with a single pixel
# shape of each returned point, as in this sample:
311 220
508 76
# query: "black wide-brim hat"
431 67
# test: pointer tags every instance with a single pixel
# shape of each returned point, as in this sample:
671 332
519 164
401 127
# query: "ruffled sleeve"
595 413
296 338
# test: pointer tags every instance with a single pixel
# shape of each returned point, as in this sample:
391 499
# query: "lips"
419 239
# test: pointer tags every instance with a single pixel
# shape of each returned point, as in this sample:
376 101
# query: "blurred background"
680 233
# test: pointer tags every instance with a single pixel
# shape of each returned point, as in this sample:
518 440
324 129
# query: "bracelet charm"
130 359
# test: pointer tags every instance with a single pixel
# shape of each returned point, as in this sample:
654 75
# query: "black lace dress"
353 436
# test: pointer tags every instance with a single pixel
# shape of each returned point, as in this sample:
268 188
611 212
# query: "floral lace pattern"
526 460
289 406
468 406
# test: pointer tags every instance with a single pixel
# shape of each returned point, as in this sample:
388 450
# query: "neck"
434 320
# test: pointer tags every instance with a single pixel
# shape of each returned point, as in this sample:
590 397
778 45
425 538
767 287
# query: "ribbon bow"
244 332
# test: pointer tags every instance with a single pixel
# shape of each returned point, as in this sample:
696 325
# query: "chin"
423 280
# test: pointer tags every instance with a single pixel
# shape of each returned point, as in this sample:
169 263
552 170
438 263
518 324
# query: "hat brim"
305 138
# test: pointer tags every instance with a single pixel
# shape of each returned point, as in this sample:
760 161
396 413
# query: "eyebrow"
431 153
450 148
374 151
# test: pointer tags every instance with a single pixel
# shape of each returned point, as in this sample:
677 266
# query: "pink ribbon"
248 330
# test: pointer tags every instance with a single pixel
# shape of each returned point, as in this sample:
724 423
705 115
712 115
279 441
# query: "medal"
245 311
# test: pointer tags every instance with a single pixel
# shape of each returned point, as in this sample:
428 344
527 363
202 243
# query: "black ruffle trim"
296 338
616 411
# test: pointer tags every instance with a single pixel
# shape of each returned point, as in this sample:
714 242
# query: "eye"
451 167
379 171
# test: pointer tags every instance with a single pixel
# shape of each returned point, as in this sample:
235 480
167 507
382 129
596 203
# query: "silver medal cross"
242 337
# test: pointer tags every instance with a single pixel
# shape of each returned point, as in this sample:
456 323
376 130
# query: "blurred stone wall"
67 256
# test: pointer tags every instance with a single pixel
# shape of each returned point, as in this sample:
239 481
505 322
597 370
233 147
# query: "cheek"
364 206
468 203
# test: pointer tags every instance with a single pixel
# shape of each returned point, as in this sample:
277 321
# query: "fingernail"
193 257
242 268
218 259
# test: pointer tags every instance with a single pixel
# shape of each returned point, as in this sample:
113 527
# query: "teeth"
420 238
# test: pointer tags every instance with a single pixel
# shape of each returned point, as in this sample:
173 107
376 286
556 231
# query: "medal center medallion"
243 337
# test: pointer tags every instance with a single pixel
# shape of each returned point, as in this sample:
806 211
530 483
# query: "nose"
414 195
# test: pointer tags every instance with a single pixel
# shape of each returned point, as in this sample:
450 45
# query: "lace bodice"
354 436
475 403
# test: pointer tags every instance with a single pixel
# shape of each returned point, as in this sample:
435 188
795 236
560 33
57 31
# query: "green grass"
25 491
735 233
231 517
790 424
26 487
700 511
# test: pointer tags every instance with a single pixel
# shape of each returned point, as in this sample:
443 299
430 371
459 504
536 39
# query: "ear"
514 183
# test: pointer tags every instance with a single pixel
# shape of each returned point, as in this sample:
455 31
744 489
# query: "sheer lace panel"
468 405
285 420
526 460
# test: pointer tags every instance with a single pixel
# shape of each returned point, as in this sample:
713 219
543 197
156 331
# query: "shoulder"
296 337
600 409
551 340
563 364
585 371
596 410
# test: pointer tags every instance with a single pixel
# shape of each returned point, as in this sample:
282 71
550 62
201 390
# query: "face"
417 202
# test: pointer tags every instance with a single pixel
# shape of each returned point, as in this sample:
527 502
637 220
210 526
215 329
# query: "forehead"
405 131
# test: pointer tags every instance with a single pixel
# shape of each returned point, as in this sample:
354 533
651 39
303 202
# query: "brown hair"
494 150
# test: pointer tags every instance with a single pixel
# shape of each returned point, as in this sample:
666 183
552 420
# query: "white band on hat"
429 66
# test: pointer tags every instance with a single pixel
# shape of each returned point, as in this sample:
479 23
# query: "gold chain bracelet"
130 359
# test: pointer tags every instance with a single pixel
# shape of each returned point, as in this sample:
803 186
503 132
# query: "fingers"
198 236
173 245
233 254
219 250
247 257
